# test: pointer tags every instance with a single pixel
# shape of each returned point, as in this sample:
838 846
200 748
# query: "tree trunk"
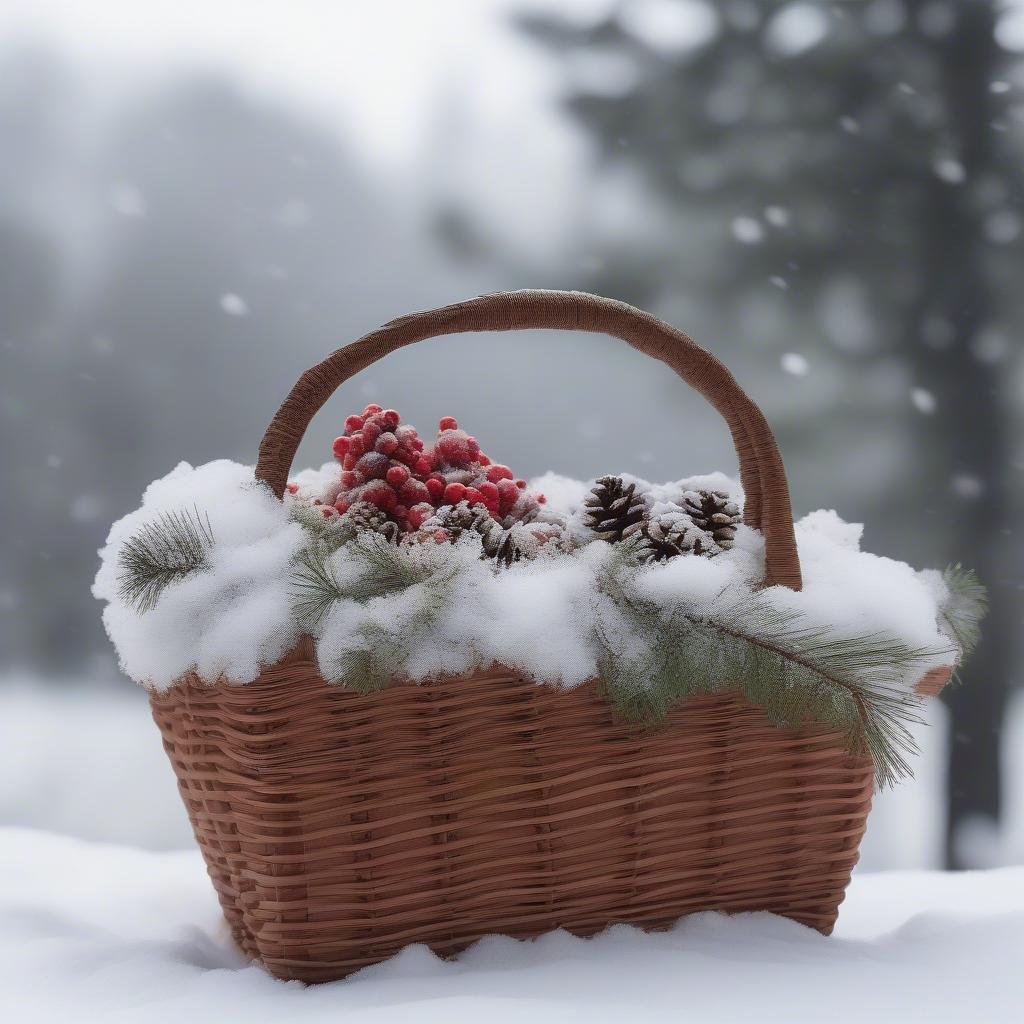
972 452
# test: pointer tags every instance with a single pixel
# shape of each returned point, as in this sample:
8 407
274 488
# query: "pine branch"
965 606
797 673
161 553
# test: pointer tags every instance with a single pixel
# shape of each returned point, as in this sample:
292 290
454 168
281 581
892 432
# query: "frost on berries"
385 463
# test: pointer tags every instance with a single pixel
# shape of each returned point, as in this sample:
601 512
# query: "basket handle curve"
767 505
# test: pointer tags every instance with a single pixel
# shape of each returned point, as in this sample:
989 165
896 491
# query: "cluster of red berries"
389 466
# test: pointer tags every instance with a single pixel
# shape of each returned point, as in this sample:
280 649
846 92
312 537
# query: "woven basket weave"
339 827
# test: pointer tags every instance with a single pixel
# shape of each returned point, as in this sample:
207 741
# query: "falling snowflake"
951 171
777 216
747 230
233 305
795 364
924 400
966 485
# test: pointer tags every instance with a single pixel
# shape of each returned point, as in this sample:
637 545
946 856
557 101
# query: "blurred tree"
855 155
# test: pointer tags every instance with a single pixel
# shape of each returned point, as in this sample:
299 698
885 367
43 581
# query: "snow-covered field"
90 932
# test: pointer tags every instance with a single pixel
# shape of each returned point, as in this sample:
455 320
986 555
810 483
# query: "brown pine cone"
613 509
715 513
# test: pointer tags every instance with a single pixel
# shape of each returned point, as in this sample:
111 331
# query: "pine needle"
163 552
796 672
965 606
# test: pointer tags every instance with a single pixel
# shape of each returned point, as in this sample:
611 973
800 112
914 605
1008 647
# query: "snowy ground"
90 932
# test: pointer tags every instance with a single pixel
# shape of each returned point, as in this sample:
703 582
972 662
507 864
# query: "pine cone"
613 509
715 513
364 517
670 533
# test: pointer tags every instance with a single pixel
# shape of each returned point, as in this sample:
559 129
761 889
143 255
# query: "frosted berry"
453 493
489 491
389 419
448 423
372 466
508 493
387 443
340 447
370 434
348 480
293 488
541 499
327 511
423 466
483 459
498 472
397 475
341 506
371 409
473 496
353 423
415 492
419 514
378 493
521 484
435 488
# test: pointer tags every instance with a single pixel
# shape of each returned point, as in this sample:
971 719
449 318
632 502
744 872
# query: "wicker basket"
339 827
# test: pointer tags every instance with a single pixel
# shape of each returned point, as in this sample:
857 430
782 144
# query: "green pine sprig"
375 568
964 607
796 672
161 553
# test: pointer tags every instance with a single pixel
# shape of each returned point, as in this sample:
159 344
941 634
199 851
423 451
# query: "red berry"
348 480
448 423
423 467
406 434
399 512
417 444
435 488
372 466
508 492
453 447
521 484
440 536
371 409
473 447
327 511
342 506
293 488
397 475
541 500
389 419
419 514
415 493
340 446
483 459
356 446
453 493
489 490
387 443
473 496
353 423
498 472
378 493
370 434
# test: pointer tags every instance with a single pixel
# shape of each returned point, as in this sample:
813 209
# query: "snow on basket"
412 698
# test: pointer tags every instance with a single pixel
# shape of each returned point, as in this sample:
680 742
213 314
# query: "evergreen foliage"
795 672
965 606
379 569
161 553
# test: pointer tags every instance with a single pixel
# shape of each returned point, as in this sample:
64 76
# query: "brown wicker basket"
339 827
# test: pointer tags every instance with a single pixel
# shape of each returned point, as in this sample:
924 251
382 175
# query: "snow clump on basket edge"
535 616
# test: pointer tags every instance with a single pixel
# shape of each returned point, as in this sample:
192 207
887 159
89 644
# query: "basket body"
339 827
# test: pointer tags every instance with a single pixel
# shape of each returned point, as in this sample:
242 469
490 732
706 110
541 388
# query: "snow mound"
105 933
537 616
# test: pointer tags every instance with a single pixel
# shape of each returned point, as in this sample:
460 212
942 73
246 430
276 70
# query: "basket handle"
767 504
